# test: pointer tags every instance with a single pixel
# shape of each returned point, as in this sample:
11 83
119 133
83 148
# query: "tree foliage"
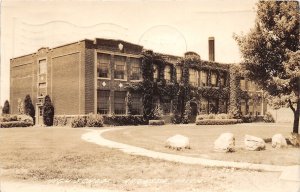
271 52
29 108
48 111
5 109
20 106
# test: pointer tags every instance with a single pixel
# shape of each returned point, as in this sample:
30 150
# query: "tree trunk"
296 117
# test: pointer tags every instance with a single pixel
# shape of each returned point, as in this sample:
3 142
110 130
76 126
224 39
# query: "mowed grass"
59 155
202 141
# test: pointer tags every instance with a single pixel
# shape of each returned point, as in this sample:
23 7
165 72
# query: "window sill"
104 78
120 79
140 80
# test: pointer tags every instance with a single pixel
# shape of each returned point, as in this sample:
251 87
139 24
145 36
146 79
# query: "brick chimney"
211 49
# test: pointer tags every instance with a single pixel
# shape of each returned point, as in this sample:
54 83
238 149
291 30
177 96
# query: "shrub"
8 118
211 116
15 124
156 122
176 119
25 118
79 121
5 109
268 118
124 120
218 121
158 112
60 121
234 113
94 120
28 107
223 116
48 111
248 118
187 112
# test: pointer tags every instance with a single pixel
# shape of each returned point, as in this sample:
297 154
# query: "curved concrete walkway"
95 136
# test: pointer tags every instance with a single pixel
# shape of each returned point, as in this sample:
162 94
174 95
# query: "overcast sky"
171 27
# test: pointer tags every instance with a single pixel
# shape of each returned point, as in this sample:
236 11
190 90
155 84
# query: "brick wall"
22 80
89 81
65 85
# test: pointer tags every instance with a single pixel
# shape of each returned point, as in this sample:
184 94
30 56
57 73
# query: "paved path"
95 136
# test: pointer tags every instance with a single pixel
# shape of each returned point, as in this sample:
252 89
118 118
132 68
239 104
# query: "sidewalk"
95 136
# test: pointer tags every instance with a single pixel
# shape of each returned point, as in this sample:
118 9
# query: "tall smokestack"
211 49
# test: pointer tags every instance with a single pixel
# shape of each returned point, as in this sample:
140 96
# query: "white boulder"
278 141
225 143
178 142
253 143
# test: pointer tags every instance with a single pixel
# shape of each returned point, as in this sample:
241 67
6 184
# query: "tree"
29 108
48 111
270 52
20 106
5 109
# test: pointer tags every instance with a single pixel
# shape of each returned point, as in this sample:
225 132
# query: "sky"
166 26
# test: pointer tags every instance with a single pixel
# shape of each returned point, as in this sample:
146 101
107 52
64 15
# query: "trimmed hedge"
60 121
15 124
218 121
214 116
124 120
8 118
91 120
8 121
156 122
94 120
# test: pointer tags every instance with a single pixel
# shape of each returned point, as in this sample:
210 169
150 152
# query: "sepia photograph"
149 95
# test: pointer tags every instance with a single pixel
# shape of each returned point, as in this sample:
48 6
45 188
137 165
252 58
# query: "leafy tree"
29 108
271 52
5 109
48 111
129 104
20 106
187 112
158 112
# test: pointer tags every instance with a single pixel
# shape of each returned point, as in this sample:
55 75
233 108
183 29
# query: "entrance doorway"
39 116
194 111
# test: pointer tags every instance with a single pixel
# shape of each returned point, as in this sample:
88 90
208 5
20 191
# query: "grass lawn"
202 140
58 155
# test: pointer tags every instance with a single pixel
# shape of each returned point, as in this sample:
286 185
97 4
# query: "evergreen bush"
48 111
28 107
5 109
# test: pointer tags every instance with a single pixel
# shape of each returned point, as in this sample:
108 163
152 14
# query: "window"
103 102
168 73
251 86
214 79
193 77
223 81
103 65
120 71
222 106
42 89
135 69
42 66
155 73
178 73
243 84
120 104
137 106
203 78
243 107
